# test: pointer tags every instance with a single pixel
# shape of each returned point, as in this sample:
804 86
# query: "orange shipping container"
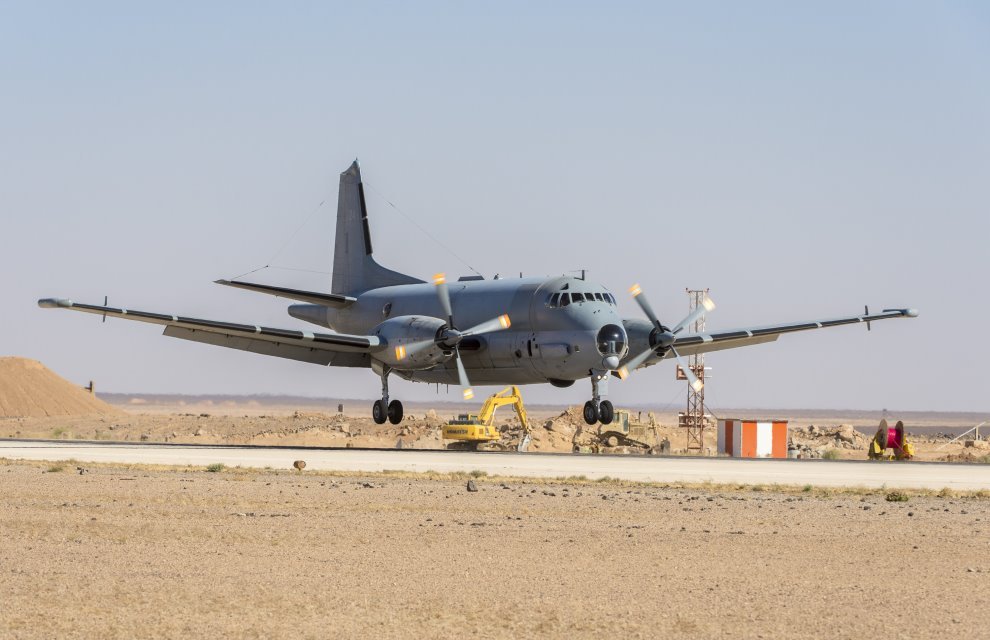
752 438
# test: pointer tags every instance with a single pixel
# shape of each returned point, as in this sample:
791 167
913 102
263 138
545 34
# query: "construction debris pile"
815 441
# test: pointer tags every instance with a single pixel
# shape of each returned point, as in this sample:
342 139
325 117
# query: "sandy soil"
28 388
119 553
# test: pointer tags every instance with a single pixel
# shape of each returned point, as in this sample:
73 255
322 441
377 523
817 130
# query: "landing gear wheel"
378 412
590 412
395 412
606 412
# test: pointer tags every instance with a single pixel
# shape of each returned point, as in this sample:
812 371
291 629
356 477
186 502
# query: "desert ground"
37 403
305 422
118 552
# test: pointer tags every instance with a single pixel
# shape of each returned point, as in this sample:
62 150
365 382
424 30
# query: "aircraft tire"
606 412
395 412
379 412
590 412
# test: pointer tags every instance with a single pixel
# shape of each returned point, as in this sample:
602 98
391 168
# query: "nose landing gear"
384 410
596 409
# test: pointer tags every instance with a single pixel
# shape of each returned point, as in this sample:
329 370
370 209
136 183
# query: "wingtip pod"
54 303
907 313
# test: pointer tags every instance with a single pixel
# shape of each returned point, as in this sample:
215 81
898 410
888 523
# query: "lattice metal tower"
693 420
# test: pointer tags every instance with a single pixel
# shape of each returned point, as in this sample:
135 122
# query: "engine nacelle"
401 331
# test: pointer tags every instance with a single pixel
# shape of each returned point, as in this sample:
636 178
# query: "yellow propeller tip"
708 304
504 321
439 278
468 394
635 290
400 353
623 373
697 385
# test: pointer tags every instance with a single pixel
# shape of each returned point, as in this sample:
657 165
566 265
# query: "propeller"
665 337
449 337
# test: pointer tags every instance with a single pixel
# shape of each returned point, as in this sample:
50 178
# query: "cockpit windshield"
562 299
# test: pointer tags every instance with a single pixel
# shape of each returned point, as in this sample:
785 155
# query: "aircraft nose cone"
611 362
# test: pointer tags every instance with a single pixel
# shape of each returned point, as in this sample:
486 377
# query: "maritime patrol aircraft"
555 330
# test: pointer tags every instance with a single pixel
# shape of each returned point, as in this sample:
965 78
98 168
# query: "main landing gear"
384 410
596 409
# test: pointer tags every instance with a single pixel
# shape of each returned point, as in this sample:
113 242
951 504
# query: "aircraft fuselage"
546 342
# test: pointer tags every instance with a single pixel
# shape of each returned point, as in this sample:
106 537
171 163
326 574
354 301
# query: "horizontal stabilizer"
326 299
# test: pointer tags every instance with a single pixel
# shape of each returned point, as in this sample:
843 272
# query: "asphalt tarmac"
822 473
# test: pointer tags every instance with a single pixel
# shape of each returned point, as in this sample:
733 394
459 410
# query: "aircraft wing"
319 348
718 340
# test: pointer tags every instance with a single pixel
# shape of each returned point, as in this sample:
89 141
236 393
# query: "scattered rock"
299 464
472 486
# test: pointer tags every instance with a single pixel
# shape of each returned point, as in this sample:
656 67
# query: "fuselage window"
578 297
554 300
565 299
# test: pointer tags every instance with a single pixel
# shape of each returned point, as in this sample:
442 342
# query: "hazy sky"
800 160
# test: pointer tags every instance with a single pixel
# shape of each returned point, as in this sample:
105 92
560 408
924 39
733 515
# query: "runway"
822 473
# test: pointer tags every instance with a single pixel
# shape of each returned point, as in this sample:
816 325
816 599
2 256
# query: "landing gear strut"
596 409
384 410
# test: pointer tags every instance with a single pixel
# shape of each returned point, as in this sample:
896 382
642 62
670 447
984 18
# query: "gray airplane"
553 330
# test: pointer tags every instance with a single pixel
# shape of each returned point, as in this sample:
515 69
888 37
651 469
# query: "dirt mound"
29 389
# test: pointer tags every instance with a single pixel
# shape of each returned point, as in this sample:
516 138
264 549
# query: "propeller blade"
699 311
495 324
411 348
692 379
633 364
462 377
644 304
440 280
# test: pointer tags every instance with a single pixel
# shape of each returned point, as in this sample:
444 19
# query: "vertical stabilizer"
354 269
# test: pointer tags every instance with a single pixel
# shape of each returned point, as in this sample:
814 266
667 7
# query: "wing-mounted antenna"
866 308
106 299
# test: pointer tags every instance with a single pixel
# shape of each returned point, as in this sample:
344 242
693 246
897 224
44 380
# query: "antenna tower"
693 419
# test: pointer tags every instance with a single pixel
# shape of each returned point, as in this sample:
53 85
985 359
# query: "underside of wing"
319 348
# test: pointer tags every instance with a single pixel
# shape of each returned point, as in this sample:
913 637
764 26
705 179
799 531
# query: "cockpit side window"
577 297
611 299
599 297
565 299
554 300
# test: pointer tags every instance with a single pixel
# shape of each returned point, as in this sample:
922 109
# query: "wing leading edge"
731 339
319 348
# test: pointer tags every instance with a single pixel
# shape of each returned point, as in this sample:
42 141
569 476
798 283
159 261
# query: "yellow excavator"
477 432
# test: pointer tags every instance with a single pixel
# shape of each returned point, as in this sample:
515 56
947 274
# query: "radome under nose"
611 362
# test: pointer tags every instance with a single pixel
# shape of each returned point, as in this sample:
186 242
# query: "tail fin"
354 269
